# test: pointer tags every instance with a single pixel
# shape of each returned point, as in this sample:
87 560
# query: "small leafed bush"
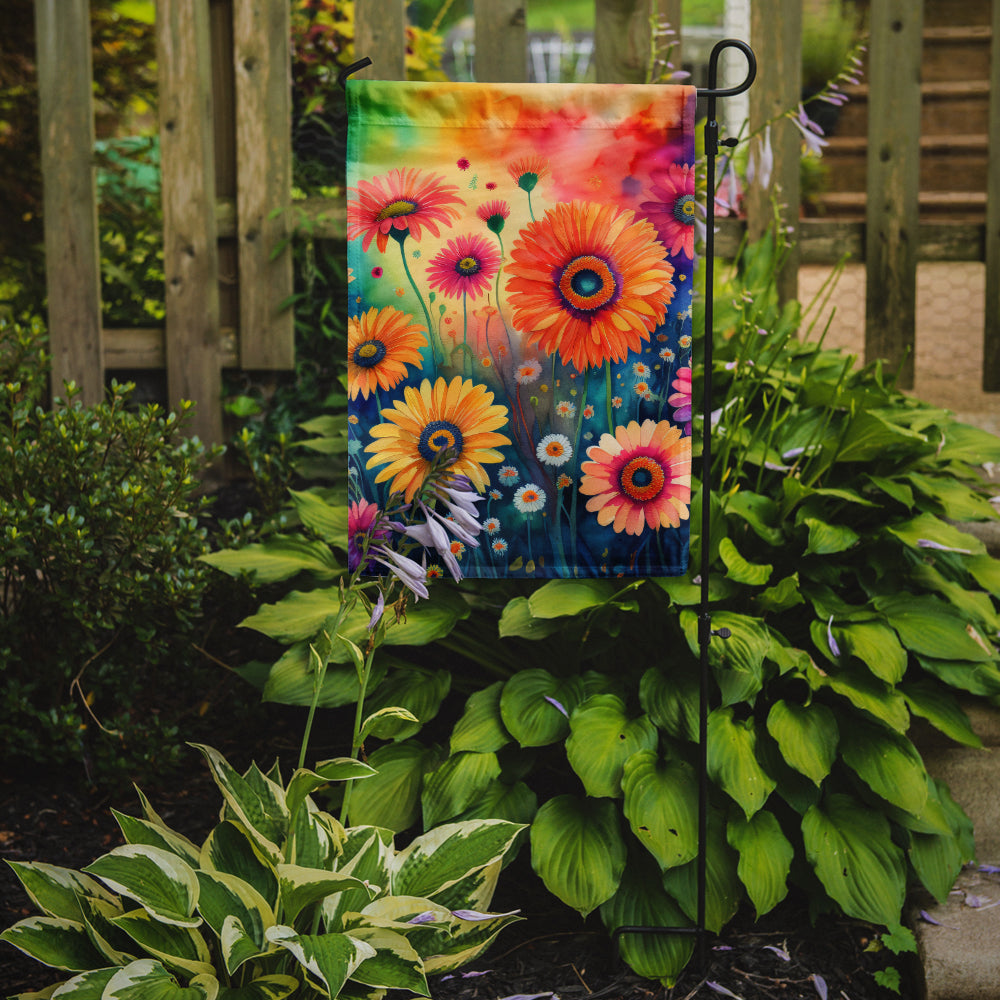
280 899
99 574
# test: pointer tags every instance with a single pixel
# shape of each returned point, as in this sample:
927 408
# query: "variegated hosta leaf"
578 851
661 806
256 801
158 880
395 964
391 799
642 902
888 763
441 857
535 706
141 831
732 760
467 941
177 947
315 838
329 959
86 986
147 979
807 736
300 887
602 737
274 987
230 849
367 853
456 784
116 946
225 897
54 941
481 727
765 858
850 847
56 891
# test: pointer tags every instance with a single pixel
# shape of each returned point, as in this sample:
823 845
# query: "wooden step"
956 53
947 162
940 13
958 206
946 105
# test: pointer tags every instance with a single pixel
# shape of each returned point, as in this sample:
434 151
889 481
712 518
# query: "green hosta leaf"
661 798
876 646
807 736
684 592
230 849
426 621
301 887
226 898
274 987
932 628
330 959
957 501
481 728
738 569
141 831
327 520
827 539
602 738
56 891
418 691
385 723
578 851
864 691
528 710
456 784
723 889
850 848
671 699
54 941
732 760
928 528
965 443
517 620
758 511
986 571
291 680
395 964
180 948
765 858
304 782
391 798
263 812
738 661
888 763
516 803
941 709
975 605
279 558
783 595
559 598
893 488
937 859
160 882
641 901
441 857
147 979
976 678
870 436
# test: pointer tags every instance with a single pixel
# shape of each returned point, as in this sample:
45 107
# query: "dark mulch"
551 951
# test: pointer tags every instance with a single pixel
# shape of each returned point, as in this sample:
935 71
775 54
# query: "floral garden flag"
521 263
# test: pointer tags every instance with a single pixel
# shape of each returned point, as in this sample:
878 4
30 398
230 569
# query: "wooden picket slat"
190 253
72 257
892 215
262 65
776 34
501 41
380 34
991 331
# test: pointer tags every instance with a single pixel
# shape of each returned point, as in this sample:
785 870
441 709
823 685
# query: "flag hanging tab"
521 266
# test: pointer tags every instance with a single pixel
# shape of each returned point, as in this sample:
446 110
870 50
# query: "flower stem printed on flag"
520 311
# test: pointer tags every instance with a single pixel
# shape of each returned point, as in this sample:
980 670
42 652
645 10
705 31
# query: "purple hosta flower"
831 642
820 984
780 952
719 988
427 917
377 612
411 574
927 543
990 869
369 533
557 704
475 915
760 164
812 134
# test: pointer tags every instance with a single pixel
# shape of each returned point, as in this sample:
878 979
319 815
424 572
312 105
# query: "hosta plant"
280 900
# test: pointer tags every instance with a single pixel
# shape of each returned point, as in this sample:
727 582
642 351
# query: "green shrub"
101 584
279 900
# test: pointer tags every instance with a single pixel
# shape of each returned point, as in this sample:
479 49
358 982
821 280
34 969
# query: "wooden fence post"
776 34
261 57
190 251
991 331
622 39
72 255
380 34
893 183
501 41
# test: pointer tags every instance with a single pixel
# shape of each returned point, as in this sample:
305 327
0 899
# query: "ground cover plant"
854 604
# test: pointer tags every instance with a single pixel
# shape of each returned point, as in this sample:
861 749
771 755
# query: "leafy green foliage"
101 584
279 899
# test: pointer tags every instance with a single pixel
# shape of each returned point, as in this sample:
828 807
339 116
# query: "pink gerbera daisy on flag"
680 398
673 213
399 203
466 266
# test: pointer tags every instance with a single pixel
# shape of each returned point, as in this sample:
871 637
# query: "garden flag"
521 264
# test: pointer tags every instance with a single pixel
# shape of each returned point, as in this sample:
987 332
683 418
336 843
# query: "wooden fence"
226 161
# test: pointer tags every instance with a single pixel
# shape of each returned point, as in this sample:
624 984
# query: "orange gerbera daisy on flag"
639 478
380 344
401 202
589 281
458 416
